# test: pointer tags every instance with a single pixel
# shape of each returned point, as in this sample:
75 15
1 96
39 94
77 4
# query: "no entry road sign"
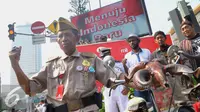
37 27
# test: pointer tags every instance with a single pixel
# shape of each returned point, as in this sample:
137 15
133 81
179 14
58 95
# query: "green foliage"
78 6
103 108
103 104
131 93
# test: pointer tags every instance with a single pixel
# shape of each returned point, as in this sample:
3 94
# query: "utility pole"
79 7
89 5
176 20
0 84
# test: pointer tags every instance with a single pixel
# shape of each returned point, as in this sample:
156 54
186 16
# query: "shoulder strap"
52 58
88 55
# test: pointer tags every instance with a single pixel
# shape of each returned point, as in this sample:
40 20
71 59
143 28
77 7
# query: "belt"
73 105
78 104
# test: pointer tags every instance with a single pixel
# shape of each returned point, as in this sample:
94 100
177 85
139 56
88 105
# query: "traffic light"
11 32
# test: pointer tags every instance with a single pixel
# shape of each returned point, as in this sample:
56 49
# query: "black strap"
88 100
96 98
64 108
61 108
49 108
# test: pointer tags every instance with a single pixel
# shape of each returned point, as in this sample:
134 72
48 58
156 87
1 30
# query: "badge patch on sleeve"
86 63
91 69
79 68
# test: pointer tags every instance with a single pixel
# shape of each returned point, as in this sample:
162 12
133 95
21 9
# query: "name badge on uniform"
61 76
59 93
85 69
86 63
91 69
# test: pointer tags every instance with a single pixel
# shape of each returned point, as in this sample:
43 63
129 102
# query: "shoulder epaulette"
52 58
88 54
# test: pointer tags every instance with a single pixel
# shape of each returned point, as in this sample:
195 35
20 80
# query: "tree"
78 6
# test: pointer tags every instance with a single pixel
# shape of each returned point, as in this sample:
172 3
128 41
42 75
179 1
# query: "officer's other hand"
142 63
125 91
124 61
15 53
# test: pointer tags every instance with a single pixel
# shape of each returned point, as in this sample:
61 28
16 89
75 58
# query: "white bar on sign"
39 42
53 36
38 36
38 27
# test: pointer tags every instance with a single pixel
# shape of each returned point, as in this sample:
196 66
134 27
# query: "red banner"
115 21
121 47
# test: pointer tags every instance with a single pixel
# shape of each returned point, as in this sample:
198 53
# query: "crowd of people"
87 41
70 78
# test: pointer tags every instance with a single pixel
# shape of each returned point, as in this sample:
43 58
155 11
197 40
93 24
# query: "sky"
28 11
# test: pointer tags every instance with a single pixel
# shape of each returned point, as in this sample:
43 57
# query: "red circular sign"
38 27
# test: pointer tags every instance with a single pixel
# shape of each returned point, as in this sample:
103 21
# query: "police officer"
118 99
69 79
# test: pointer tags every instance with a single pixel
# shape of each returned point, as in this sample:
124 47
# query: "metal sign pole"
100 3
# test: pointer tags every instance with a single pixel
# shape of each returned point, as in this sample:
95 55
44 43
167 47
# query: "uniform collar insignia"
75 54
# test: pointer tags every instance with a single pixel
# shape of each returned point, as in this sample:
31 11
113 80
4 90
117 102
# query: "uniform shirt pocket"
53 82
86 80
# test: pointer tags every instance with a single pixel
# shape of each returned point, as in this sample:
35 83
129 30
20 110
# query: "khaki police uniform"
77 73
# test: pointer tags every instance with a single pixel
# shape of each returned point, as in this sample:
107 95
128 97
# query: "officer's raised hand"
124 61
14 54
